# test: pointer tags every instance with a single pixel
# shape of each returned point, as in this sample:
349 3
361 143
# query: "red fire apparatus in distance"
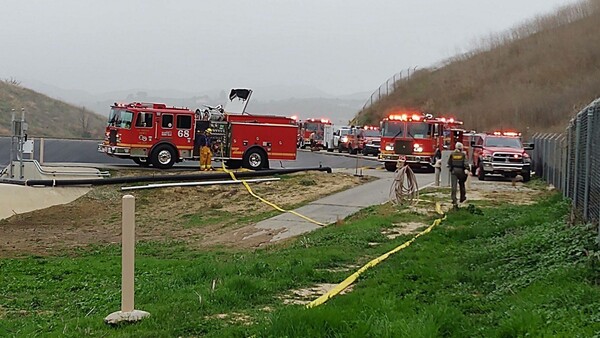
414 135
154 134
370 140
321 127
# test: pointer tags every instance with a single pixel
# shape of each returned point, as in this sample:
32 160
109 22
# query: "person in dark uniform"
457 162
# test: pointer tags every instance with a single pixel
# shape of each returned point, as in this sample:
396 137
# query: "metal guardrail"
571 162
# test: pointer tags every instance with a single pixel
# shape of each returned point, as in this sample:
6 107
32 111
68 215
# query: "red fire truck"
413 136
157 135
320 127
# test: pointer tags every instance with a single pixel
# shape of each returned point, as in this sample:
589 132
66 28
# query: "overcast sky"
339 46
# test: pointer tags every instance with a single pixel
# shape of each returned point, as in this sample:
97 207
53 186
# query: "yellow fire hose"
273 205
353 277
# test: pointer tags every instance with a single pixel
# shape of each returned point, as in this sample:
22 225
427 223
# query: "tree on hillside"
84 118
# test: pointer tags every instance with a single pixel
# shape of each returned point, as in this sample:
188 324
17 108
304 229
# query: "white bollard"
445 173
128 312
41 151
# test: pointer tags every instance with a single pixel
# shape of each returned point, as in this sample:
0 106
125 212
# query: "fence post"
563 170
568 161
575 171
586 175
128 312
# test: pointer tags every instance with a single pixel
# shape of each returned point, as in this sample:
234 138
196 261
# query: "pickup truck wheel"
339 149
481 174
527 176
390 166
473 169
163 157
255 159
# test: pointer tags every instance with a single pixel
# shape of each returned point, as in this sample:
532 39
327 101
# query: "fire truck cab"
413 136
321 131
500 153
157 135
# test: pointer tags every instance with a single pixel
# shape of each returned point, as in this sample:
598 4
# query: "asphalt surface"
85 152
334 207
326 210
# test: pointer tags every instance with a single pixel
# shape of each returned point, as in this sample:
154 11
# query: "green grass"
512 271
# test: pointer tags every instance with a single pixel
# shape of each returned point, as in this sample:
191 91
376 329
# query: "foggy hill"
300 100
45 116
531 78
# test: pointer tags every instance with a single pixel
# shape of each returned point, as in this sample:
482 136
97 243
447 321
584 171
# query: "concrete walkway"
337 206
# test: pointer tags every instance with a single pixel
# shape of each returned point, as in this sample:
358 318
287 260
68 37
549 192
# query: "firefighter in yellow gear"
205 153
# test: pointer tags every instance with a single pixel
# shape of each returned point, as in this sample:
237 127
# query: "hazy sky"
339 46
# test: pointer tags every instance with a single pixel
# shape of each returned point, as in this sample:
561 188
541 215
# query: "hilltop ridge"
532 78
47 117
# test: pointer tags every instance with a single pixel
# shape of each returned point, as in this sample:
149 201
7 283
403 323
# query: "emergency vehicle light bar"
318 120
506 133
405 117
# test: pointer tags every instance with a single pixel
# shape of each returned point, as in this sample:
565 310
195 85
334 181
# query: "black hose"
162 178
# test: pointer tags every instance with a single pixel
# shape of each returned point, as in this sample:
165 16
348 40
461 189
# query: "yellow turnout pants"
205 158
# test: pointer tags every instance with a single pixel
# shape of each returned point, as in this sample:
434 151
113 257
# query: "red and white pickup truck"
500 153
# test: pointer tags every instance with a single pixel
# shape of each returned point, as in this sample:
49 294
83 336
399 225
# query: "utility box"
445 174
28 147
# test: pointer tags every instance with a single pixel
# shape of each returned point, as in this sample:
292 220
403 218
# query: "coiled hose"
405 188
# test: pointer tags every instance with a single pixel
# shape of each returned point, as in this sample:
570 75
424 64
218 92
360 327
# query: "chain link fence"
389 86
571 162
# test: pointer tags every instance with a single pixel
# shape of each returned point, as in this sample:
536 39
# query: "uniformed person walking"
459 170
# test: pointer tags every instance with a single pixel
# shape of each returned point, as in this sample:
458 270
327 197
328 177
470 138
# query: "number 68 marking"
183 133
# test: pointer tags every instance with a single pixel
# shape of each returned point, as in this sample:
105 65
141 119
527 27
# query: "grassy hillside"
532 78
46 117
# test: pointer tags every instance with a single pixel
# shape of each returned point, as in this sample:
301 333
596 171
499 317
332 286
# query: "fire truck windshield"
120 118
392 129
508 142
419 129
311 126
371 133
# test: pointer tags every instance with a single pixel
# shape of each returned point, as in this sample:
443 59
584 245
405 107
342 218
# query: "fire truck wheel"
255 159
163 157
233 164
141 161
390 166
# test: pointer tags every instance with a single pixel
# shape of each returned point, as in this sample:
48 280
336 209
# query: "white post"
128 255
128 312
445 172
41 151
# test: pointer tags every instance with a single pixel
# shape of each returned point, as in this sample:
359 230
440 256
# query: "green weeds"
508 271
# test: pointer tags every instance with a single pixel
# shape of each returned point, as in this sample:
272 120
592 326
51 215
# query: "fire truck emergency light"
506 133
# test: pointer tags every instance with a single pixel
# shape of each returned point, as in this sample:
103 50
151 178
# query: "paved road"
331 208
84 151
